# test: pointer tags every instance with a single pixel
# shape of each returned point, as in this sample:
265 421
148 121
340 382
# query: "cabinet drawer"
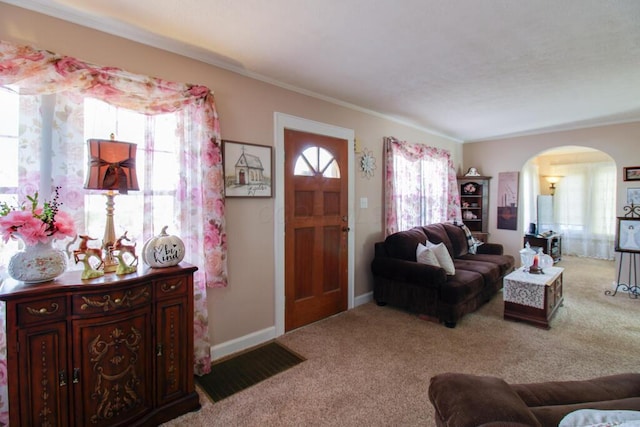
111 300
41 310
171 286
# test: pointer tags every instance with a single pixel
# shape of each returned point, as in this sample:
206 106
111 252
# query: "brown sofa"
401 281
463 400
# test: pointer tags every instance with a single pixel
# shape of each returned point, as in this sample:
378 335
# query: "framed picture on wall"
247 169
633 196
632 173
508 200
628 235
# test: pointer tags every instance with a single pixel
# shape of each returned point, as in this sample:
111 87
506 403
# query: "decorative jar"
40 262
526 257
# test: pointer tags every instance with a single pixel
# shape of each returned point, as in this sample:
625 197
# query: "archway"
578 186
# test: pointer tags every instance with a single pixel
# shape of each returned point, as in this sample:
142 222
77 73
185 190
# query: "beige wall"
621 142
246 108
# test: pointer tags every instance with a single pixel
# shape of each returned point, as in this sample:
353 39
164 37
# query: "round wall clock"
367 163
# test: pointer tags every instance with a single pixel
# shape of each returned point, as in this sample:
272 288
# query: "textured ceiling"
466 69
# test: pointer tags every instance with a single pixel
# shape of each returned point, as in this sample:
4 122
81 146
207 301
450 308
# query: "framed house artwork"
631 173
628 235
247 169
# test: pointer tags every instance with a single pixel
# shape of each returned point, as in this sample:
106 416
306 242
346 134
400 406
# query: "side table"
550 244
533 298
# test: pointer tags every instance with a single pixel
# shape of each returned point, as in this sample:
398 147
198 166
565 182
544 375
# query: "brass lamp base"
110 262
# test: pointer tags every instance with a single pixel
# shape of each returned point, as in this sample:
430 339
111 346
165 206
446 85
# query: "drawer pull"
107 303
44 311
76 375
169 288
62 378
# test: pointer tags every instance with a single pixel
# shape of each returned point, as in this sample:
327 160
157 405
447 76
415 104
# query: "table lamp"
111 167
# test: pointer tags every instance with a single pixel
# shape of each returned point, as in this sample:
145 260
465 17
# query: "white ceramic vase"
38 263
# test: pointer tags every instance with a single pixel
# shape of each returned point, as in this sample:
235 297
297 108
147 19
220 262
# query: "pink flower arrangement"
38 224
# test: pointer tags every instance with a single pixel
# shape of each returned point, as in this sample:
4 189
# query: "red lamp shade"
112 166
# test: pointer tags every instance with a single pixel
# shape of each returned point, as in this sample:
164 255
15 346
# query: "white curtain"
584 208
530 190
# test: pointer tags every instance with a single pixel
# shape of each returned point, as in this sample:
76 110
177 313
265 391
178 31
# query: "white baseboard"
256 338
363 299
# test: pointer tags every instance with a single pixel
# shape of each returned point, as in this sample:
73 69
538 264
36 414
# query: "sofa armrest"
490 249
408 271
463 400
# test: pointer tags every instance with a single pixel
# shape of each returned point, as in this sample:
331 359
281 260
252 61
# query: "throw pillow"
595 417
425 255
441 252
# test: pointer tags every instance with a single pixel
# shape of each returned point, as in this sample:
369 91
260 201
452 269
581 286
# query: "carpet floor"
371 366
248 368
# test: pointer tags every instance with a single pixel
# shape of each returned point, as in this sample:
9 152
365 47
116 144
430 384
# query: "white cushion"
425 255
443 257
600 418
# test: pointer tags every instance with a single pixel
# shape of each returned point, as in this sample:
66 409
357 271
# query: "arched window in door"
317 161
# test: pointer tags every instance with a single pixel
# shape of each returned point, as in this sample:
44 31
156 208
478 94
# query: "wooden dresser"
112 351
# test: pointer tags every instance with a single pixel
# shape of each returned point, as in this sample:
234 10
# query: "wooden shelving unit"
474 203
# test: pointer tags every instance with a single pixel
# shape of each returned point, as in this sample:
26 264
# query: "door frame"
284 121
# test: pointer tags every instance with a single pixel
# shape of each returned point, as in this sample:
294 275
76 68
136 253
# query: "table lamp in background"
111 167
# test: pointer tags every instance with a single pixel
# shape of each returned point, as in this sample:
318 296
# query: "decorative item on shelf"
85 255
126 255
470 188
163 250
469 215
552 180
472 172
37 227
112 166
367 163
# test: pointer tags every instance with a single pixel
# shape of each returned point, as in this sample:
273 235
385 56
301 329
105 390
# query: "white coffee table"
533 298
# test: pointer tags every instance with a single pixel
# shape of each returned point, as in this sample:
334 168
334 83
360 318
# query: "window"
157 160
9 103
421 186
584 208
317 161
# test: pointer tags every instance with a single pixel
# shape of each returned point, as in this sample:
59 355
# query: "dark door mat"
231 375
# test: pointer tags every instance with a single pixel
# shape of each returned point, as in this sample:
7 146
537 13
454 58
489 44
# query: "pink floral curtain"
420 186
65 81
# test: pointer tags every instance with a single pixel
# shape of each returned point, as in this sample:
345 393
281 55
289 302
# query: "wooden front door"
316 230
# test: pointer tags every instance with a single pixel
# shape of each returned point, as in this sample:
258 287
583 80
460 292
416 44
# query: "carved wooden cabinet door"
43 354
113 356
171 354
